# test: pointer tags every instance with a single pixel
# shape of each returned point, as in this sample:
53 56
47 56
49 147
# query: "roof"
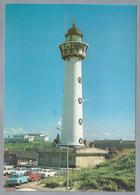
92 150
74 31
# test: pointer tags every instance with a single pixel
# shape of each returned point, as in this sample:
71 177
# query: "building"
21 158
114 144
73 51
16 139
78 157
30 137
37 137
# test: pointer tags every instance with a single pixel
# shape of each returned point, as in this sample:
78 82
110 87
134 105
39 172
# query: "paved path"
39 187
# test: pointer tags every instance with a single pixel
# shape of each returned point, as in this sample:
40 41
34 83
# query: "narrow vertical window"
79 80
80 100
80 121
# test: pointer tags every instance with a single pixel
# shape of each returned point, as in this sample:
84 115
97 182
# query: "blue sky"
34 70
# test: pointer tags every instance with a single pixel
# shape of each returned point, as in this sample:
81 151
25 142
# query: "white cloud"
107 134
13 131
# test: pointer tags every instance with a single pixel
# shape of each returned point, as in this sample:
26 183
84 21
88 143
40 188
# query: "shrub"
88 183
54 182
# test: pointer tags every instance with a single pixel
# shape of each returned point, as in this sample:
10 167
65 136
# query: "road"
36 185
39 187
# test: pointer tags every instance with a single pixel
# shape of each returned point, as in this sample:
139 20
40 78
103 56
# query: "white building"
73 51
29 137
37 137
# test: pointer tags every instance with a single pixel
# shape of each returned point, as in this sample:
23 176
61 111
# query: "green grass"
117 174
37 146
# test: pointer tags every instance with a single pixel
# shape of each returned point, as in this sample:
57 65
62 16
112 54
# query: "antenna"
73 20
65 22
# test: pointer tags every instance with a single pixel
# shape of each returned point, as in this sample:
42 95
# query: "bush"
109 187
54 182
89 183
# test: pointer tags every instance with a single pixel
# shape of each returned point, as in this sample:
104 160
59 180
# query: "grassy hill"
117 174
32 146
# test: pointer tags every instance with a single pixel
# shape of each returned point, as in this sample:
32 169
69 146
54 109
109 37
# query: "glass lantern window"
76 38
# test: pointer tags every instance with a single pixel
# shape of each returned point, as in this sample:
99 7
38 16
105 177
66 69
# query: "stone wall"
88 161
58 158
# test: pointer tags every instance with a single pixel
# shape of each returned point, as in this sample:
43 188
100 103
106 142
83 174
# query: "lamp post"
67 168
67 160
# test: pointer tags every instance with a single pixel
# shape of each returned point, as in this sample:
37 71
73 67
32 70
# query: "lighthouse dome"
74 31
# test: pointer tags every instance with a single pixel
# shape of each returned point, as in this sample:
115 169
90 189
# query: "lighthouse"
73 51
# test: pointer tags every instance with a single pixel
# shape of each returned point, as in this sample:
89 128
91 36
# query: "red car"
33 176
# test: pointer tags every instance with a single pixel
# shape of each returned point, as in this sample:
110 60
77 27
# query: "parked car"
16 179
49 172
8 169
38 171
33 176
21 170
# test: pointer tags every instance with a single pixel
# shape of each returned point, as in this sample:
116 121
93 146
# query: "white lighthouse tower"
73 51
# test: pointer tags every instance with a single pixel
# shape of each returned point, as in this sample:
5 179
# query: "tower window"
80 140
80 100
79 80
80 121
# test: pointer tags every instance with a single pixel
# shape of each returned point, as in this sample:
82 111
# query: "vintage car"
20 170
16 179
49 172
8 169
33 176
38 171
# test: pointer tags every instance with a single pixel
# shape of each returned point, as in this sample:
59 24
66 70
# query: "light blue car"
16 179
